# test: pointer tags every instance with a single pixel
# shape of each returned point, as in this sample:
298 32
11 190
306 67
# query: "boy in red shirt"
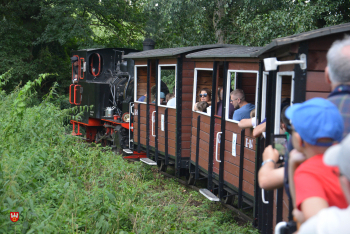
316 125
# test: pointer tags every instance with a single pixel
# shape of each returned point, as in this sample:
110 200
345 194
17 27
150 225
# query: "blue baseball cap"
316 118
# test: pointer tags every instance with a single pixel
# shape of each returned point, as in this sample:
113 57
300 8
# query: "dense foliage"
59 184
37 36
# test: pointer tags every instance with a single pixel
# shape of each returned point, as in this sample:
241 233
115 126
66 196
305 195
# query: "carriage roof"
303 37
170 52
231 52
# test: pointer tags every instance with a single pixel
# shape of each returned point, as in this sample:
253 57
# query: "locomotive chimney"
148 44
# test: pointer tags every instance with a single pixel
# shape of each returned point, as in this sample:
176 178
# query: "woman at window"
205 95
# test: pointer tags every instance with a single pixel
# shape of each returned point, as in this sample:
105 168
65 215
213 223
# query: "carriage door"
201 122
140 89
284 97
240 147
166 112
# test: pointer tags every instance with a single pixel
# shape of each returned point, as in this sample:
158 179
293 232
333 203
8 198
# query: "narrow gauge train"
211 147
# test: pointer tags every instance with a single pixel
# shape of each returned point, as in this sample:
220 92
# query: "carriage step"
209 195
128 151
148 161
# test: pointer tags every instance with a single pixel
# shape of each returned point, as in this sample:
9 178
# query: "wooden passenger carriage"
164 132
299 85
220 150
238 176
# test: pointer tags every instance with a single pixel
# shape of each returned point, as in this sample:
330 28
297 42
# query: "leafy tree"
258 26
177 23
37 36
246 22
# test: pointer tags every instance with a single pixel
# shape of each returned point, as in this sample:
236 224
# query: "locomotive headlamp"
126 117
272 63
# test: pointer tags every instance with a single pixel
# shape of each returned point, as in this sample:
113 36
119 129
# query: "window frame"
195 89
228 85
279 96
135 83
159 84
263 96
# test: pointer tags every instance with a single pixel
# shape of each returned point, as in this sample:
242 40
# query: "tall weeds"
59 184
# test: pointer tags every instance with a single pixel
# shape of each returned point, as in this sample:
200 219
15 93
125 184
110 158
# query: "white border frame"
159 83
135 83
279 97
228 85
195 88
263 96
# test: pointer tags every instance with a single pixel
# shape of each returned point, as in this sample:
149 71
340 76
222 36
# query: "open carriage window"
202 97
140 83
167 85
245 83
284 95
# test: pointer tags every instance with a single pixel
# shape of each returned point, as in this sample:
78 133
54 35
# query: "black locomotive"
102 87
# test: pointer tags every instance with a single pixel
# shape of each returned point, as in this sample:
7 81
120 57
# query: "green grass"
60 184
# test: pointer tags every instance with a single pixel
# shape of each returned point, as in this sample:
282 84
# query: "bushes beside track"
60 184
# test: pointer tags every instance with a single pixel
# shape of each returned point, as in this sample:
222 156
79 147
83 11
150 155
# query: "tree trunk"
219 13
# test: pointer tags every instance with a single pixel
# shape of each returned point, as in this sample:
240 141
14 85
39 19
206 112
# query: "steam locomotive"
102 89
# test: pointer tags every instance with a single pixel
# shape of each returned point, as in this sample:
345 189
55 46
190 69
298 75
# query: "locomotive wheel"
191 179
162 167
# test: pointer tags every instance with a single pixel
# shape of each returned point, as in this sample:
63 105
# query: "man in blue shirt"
142 98
243 108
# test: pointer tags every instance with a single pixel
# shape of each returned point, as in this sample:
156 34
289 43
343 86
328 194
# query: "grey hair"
239 93
338 62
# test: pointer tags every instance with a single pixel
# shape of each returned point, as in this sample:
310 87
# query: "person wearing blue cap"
316 125
334 220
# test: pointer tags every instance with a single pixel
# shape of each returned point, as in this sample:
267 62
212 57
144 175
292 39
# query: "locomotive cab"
102 82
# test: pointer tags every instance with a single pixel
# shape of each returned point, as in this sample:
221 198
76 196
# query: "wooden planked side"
252 66
140 62
141 81
316 82
167 61
310 95
204 64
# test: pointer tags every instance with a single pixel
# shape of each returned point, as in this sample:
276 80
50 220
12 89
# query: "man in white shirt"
333 219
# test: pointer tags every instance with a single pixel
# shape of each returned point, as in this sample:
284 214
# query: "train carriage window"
140 83
75 69
167 77
202 80
284 93
82 67
247 81
96 64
